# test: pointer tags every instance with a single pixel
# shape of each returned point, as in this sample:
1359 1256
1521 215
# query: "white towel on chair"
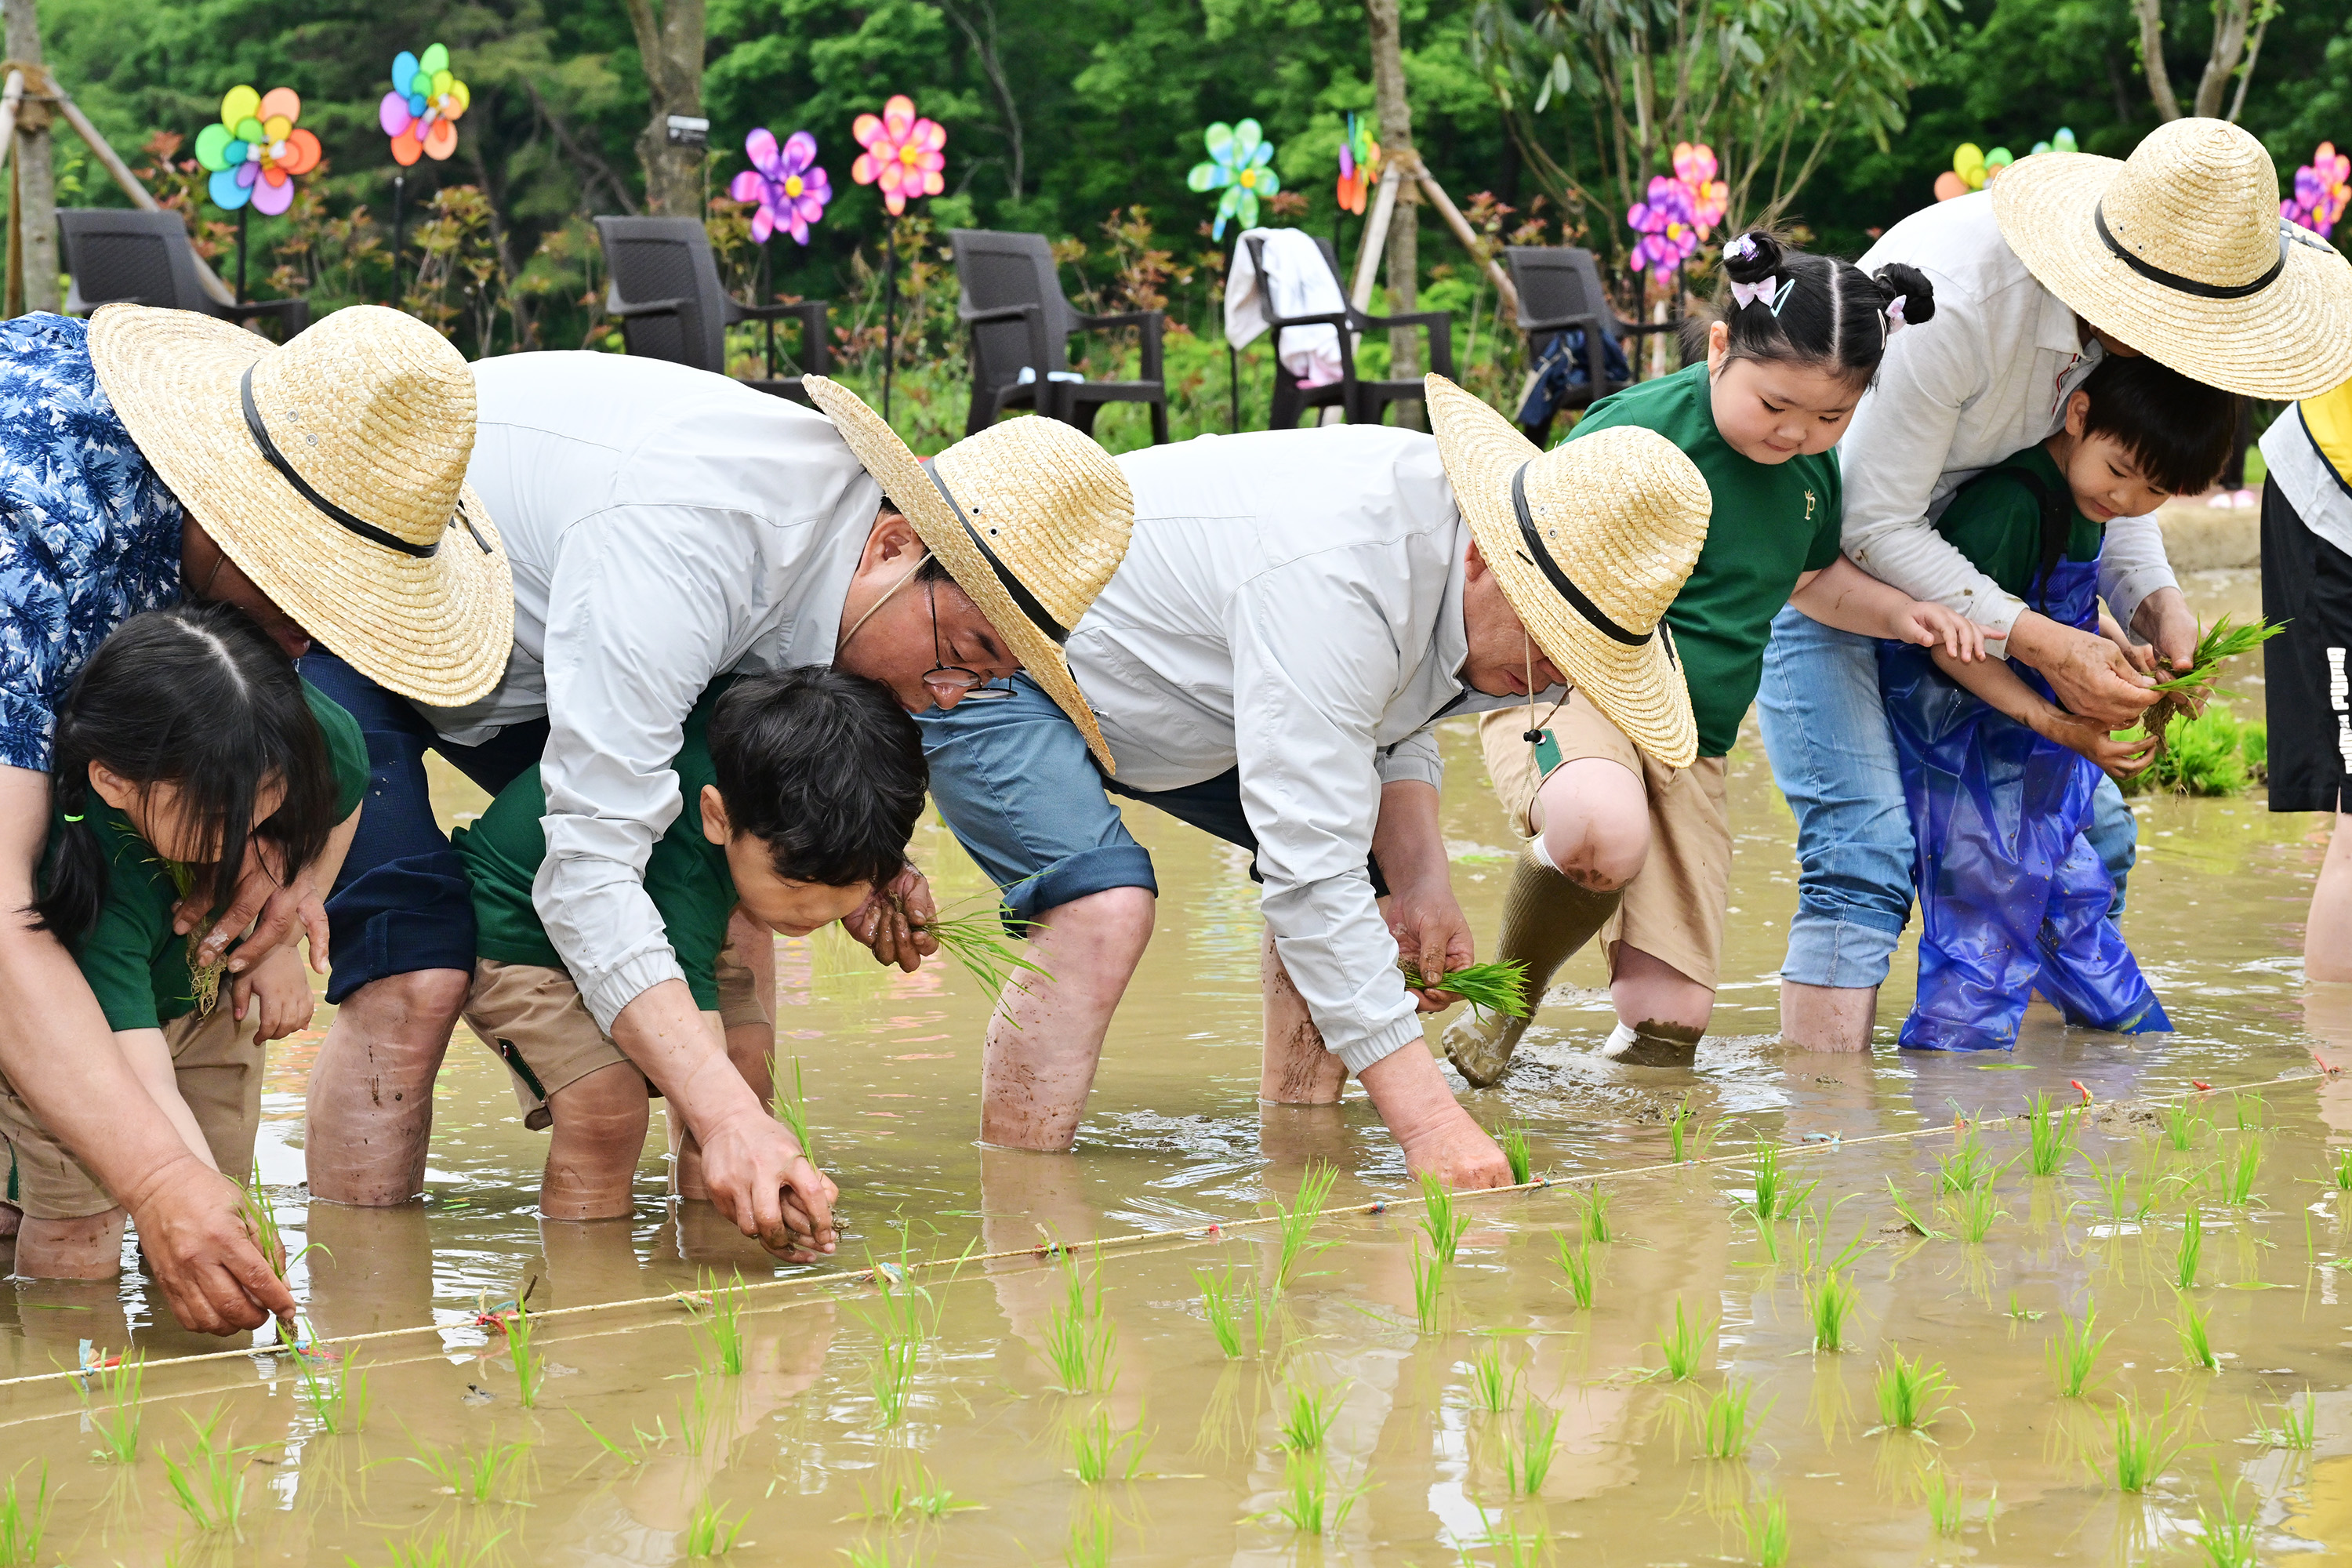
1299 282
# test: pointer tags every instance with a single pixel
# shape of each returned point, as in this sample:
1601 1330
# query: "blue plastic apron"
2012 899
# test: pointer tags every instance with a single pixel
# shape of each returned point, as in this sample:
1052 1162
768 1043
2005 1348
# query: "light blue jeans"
1833 757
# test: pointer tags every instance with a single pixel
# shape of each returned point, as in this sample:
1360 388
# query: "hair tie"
74 818
1746 294
1891 319
1741 250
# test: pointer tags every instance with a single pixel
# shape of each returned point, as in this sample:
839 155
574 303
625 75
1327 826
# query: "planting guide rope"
1217 1229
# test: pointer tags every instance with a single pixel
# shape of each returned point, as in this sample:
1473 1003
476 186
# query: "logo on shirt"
1808 506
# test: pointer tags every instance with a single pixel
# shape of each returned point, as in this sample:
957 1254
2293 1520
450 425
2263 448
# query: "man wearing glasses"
668 527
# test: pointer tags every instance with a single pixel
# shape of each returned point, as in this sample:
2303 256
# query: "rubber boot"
1652 1044
1546 918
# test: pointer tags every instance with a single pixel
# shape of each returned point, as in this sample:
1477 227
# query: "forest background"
1080 119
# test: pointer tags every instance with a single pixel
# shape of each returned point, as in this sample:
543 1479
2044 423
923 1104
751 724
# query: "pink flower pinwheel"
2321 188
254 150
1708 197
1669 231
902 154
790 189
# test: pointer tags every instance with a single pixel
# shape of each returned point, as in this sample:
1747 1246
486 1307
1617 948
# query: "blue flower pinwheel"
1241 166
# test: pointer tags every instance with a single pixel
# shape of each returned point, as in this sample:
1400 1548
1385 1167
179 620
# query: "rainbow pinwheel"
255 151
790 189
1973 169
1668 228
1240 165
902 154
1360 164
2322 189
420 113
1708 197
2063 141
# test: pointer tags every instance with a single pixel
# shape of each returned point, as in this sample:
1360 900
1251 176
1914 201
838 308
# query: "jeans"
1833 757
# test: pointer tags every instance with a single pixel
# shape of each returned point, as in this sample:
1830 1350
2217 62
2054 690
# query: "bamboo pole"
138 192
1469 236
11 96
1376 238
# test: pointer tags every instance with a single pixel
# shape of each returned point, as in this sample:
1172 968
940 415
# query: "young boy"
2012 898
801 790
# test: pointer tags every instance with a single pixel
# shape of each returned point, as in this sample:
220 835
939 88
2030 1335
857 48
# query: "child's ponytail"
1785 305
76 874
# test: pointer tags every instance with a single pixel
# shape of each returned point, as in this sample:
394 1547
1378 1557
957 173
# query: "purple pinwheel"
790 189
1667 225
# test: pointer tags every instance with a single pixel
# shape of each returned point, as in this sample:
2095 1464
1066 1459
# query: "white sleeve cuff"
1379 1047
617 988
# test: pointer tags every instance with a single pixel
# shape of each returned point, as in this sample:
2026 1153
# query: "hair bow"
1894 315
1741 250
1746 294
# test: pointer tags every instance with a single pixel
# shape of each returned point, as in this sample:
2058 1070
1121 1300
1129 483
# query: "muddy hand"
193 1229
891 922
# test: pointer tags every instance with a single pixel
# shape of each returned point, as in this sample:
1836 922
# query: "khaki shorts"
1674 910
216 1063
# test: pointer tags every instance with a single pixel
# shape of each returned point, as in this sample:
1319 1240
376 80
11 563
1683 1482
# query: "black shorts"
2307 583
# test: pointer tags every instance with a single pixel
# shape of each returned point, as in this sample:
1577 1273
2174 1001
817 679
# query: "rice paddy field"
2085 1303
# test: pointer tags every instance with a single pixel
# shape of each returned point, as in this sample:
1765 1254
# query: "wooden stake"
11 96
140 197
1467 235
1376 237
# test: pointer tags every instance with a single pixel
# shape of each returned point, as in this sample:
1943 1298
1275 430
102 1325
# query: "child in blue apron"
1998 777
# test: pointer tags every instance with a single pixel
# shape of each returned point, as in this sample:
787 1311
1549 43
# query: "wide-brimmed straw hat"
331 470
1590 541
1030 518
2181 252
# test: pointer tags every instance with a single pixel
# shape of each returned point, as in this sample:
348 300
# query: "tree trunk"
35 184
2231 21
2151 58
1403 253
672 45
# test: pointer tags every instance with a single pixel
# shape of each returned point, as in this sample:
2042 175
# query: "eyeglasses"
969 685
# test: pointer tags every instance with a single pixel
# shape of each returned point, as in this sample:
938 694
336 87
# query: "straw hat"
2180 251
1591 540
332 472
1030 518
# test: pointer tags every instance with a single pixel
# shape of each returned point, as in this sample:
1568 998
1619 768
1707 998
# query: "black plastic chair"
666 291
1012 304
117 257
1360 401
1559 288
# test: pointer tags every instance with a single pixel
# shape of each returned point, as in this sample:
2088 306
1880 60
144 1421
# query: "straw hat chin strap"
1538 556
1023 599
904 578
2202 290
302 487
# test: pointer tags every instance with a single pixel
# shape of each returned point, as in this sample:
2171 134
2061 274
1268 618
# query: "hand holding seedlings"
894 921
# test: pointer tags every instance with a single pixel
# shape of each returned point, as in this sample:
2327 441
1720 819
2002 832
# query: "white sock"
1542 855
1619 1038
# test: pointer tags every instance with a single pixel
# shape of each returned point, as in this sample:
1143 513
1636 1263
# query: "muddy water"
797 1445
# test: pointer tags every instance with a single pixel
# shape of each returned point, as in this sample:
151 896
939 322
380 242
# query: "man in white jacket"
1297 610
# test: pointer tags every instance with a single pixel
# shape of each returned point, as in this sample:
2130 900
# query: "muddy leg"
1045 1038
594 1147
1296 1069
370 1102
89 1247
1671 1011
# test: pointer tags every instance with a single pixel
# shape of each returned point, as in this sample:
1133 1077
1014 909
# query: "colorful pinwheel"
2322 189
790 189
1708 197
1240 165
255 151
902 154
420 113
1360 164
2063 141
1668 228
1972 169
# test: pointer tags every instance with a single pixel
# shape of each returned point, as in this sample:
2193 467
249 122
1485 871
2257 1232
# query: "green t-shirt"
1772 523
686 874
1995 520
137 966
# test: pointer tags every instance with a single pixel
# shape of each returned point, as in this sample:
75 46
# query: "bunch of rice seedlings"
2344 1170
261 1217
890 1378
2074 1354
1948 1502
1080 1342
2239 1169
1223 1307
2020 1313
1833 1305
1683 1346
1911 1215
208 1484
2297 1431
441 1552
1091 1544
2116 1183
1676 1123
1967 1167
1488 987
1512 1547
2192 1248
1307 1505
1576 1265
1529 1461
976 939
919 1496
2051 1135
710 1533
1767 1528
2214 754
1096 1454
1428 1289
2225 1539
1974 1211
336 1390
2179 1122
722 1348
24 1520
1911 1394
2219 643
2251 1110
475 1476
1514 1140
792 1106
1728 1420
695 1416
1490 1385
2145 1444
1442 1218
2196 1341
1295 1226
1307 1417
531 1368
1776 1196
116 1426
1596 1213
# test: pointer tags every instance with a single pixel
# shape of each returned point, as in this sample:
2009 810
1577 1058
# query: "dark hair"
823 767
2180 432
1821 313
933 569
195 696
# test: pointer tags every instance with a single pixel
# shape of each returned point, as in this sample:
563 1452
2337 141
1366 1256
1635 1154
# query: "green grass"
117 1425
2295 1432
1307 1505
1489 987
1514 1141
1096 1454
1081 1343
2251 1110
2238 1169
2226 1539
2143 1445
1776 1194
1490 1385
1831 1305
2051 1134
441 1552
2196 1341
1307 1416
24 1520
1223 1308
1443 1218
710 1533
2193 1249
1295 1225
1596 1213
472 1476
1683 1346
1727 1420
1911 1394
2074 1354
1428 1289
721 1326
1529 1461
1576 1266
1766 1526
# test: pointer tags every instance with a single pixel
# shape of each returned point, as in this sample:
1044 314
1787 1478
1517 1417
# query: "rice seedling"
2239 1169
471 1476
1307 1505
1683 1346
2192 1248
2050 1135
721 1325
1911 1215
2123 1207
1911 1393
2251 1110
1530 1460
2074 1354
710 1533
1766 1526
261 1217
1488 987
208 1484
2225 1539
24 1520
1091 1543
116 1426
2294 1431
1974 1211
2221 642
1777 1197
1490 1384
1967 1166
1223 1307
1946 1503
1831 1305
1576 1265
890 1378
1428 1289
1727 1420
441 1552
1080 1342
1096 1454
1514 1140
1683 1114
1307 1418
1512 1547
2180 1124
2196 1341
336 1390
1596 1213
694 1416
531 1368
1295 1225
792 1108
2344 1170
919 1496
2145 1444
2019 1312
1443 1219
977 940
